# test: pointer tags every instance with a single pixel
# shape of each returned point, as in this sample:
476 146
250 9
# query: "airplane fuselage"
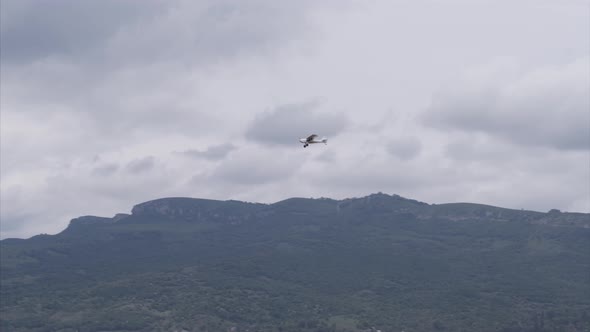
306 142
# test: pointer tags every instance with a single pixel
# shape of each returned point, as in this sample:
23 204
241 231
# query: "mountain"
379 262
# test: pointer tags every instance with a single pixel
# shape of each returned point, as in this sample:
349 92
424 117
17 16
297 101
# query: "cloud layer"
108 104
545 107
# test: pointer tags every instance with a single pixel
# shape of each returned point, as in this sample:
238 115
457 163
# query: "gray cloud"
140 165
484 149
255 166
12 224
287 123
547 107
105 170
33 30
405 148
95 57
116 33
214 152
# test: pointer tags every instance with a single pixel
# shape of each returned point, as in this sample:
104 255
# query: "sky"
107 104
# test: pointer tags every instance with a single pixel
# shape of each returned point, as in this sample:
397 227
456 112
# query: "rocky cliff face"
91 220
236 212
197 210
174 207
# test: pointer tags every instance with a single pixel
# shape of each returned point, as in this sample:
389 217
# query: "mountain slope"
303 265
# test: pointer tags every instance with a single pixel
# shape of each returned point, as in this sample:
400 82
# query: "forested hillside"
378 262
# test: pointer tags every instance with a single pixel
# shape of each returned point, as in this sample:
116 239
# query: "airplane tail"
325 140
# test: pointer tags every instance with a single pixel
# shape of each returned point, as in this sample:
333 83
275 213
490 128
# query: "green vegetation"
303 265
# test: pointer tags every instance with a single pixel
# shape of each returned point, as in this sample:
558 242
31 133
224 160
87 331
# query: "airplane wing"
312 137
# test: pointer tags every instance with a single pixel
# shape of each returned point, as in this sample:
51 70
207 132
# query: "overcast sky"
106 104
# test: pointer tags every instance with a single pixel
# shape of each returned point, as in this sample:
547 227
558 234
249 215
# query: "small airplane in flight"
312 139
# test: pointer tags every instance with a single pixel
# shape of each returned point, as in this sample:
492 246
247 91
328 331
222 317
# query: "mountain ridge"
305 265
188 207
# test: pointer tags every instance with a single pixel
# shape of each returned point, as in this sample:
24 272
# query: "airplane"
312 139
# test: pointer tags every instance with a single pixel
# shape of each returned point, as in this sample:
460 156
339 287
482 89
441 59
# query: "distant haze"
106 104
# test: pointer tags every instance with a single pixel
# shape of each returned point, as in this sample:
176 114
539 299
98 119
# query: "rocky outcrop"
237 212
196 210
